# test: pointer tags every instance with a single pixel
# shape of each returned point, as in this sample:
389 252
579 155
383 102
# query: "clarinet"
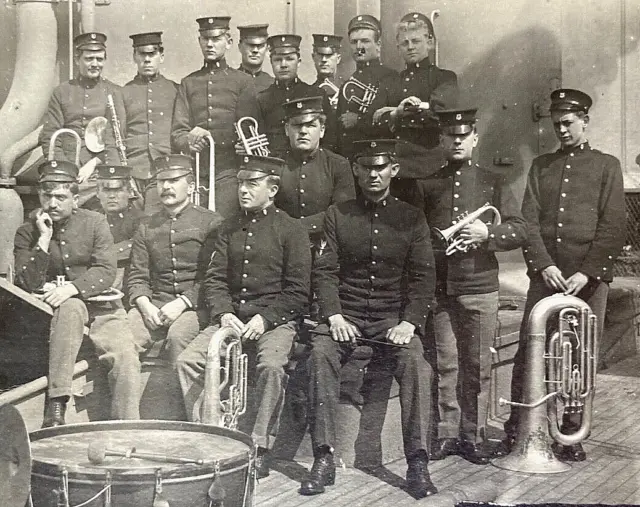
120 146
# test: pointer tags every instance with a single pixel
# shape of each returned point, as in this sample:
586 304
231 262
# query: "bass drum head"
15 458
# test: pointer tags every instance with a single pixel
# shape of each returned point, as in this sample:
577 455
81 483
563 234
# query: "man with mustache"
253 49
74 103
257 283
75 245
207 104
148 102
326 58
169 258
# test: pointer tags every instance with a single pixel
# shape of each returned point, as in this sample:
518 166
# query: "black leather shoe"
474 453
322 473
262 463
444 447
569 452
419 482
505 446
54 413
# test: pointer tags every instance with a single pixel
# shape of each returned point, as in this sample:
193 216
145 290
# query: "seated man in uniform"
74 244
375 280
258 284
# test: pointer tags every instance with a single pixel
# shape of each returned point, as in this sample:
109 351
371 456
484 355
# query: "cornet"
255 144
449 235
359 93
334 91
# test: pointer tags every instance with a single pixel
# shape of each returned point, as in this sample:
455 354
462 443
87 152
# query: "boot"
419 482
322 473
262 463
444 447
55 412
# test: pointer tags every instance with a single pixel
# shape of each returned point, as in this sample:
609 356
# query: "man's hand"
45 228
349 119
343 330
474 234
230 320
412 101
87 170
254 329
59 295
197 139
171 311
553 278
402 333
383 110
150 313
575 283
240 150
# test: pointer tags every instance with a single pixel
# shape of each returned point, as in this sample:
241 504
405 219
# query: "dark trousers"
595 294
409 368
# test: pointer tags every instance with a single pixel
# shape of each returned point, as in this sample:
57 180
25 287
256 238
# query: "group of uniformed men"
371 269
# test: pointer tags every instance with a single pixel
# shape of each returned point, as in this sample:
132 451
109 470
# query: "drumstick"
365 340
97 452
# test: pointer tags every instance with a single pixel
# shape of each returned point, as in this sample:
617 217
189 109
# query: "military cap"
417 17
307 108
374 152
91 41
113 172
284 43
253 167
255 33
214 26
168 167
59 171
364 21
326 44
146 39
567 99
457 121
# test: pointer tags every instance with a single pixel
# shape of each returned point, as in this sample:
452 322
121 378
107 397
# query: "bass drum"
63 474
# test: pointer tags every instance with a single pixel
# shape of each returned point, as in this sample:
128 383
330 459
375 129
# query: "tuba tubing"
54 137
212 177
332 89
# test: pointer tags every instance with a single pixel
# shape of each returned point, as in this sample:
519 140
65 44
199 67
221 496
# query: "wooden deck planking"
627 474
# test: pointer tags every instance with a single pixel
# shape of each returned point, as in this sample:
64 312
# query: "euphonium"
455 244
215 410
255 144
334 91
561 372
359 93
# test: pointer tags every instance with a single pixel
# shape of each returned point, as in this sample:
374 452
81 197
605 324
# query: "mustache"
167 193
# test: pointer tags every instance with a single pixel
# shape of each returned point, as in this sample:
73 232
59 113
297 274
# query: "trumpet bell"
94 134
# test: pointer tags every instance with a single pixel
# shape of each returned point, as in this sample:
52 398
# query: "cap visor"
324 50
114 183
457 129
91 46
170 174
255 39
213 32
248 174
373 161
303 117
284 50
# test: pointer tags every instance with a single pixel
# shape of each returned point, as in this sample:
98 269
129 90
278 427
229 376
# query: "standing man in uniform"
258 284
148 102
575 211
326 57
76 102
207 105
253 49
74 244
355 114
375 280
466 314
168 261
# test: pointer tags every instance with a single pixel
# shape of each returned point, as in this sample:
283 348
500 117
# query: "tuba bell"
561 373
455 244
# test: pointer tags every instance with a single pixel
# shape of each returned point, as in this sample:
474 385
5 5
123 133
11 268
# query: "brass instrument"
455 244
334 91
52 144
195 197
226 343
255 144
359 93
563 371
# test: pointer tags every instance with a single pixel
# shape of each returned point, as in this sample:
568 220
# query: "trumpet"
212 177
255 144
455 244
332 89
224 342
359 93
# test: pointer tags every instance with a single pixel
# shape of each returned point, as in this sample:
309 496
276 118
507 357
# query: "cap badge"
299 105
210 21
283 39
93 35
359 18
458 117
112 170
416 16
373 144
246 160
561 95
325 38
54 163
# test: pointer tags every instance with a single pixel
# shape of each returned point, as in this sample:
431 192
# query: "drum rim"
226 465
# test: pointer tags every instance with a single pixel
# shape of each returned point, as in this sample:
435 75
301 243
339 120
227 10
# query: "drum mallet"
97 452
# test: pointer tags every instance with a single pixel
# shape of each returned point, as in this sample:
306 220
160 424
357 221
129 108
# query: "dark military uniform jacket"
575 211
309 186
377 263
454 190
209 98
123 227
169 255
261 264
338 81
81 249
261 79
376 75
149 108
72 105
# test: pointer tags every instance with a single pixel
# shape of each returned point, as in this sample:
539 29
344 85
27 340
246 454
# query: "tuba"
230 379
359 93
332 90
195 197
52 144
454 244
560 373
255 144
